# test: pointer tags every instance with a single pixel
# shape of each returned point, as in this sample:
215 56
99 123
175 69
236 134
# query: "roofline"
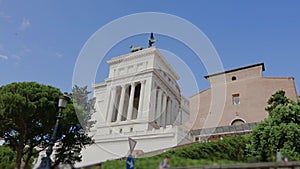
202 91
237 69
279 77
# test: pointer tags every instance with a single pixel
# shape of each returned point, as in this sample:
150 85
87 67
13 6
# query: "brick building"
242 96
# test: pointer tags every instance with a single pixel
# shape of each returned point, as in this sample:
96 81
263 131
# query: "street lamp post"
46 161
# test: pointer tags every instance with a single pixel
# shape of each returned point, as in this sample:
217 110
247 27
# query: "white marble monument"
140 99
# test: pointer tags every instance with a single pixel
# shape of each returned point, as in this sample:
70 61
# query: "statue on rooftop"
151 40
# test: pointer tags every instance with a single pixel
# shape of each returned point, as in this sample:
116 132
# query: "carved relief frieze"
130 69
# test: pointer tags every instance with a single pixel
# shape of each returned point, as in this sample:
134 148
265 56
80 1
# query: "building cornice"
124 77
169 67
99 85
131 56
142 53
237 69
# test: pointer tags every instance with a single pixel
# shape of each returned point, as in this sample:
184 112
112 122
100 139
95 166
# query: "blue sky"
41 40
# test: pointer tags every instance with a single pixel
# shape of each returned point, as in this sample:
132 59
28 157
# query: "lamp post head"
63 100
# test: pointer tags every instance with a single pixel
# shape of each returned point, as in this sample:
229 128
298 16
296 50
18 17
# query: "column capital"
143 81
124 85
113 88
133 84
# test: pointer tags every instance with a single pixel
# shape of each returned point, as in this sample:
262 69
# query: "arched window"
237 122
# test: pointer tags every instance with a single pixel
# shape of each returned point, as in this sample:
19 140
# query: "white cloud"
4 15
59 55
25 24
3 57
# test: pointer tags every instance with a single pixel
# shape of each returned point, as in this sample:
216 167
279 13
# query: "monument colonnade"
126 103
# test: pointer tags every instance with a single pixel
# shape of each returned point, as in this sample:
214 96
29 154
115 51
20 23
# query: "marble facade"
142 100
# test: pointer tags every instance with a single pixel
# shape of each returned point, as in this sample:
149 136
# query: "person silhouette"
165 163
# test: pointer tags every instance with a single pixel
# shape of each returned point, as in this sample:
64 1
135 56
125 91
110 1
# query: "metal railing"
265 165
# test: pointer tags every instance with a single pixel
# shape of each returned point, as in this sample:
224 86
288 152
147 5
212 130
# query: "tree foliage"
281 131
27 116
73 135
227 151
230 148
7 156
83 106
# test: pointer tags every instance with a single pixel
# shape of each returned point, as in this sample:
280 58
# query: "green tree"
73 127
83 105
27 117
7 156
280 131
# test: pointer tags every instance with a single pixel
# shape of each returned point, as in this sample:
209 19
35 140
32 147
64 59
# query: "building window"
233 78
237 122
197 139
131 129
236 99
121 130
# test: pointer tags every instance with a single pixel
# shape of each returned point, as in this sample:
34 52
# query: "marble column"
173 114
169 107
164 109
141 101
158 107
152 108
130 105
111 103
177 112
121 103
